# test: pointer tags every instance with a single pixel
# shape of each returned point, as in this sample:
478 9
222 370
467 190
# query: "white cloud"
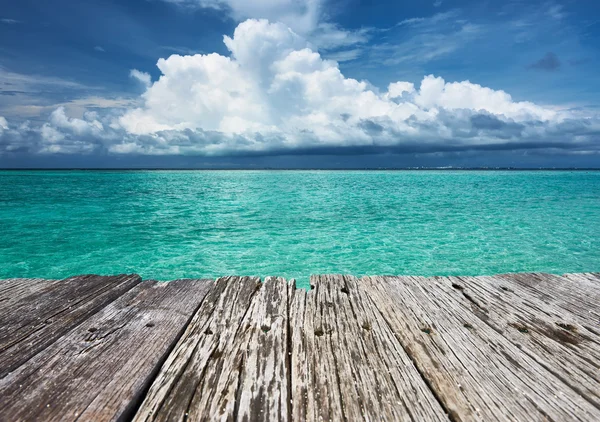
59 119
34 96
304 17
3 125
68 135
31 83
275 93
345 55
435 92
398 89
274 84
75 108
142 77
10 21
555 11
300 15
327 36
420 40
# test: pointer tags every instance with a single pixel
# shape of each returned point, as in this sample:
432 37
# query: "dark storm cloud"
550 62
451 134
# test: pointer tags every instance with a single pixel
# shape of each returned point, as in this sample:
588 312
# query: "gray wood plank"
101 369
29 325
316 393
513 347
477 373
576 297
263 391
551 336
347 363
587 281
16 289
202 377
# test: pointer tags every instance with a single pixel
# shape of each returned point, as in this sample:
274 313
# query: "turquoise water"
173 224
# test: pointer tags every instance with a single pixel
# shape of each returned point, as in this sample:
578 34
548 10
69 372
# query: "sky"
299 83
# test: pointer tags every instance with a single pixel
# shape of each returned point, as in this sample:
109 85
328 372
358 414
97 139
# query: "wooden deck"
511 347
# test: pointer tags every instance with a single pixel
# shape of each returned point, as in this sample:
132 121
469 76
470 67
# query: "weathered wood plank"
477 373
263 390
13 290
586 281
202 377
100 370
548 334
576 297
29 325
512 347
347 363
315 388
594 278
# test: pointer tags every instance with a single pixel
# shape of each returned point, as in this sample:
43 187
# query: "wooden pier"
511 347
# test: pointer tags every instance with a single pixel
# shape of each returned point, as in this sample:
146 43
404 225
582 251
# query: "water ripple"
171 224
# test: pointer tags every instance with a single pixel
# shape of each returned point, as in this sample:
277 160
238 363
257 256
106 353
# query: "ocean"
166 225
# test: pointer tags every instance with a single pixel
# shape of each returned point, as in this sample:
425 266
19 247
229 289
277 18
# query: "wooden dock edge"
507 347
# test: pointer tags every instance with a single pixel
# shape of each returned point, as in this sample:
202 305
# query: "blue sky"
320 97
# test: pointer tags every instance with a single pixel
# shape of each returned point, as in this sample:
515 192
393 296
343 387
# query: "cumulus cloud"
274 84
398 89
436 93
143 77
274 93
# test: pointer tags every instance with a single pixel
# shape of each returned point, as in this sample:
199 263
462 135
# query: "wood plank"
202 377
580 299
347 363
588 281
13 290
30 325
548 334
263 392
477 373
315 389
594 277
100 370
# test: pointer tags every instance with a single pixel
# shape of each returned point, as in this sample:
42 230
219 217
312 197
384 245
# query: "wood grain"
346 362
551 336
477 373
101 369
33 322
509 347
576 297
14 290
200 379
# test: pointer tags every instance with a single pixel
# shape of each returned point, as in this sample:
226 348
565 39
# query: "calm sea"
174 224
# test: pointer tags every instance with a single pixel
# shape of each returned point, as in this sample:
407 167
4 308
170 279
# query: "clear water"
172 224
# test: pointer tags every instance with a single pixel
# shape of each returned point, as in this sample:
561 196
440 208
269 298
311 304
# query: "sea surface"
178 224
